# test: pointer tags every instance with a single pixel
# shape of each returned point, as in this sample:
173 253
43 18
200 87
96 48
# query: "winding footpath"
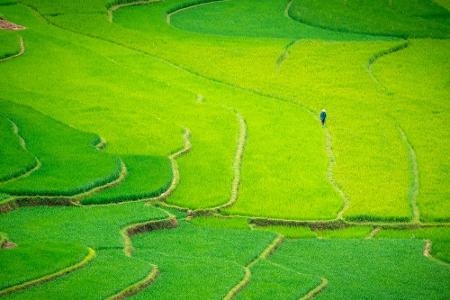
414 186
427 253
330 175
187 146
276 243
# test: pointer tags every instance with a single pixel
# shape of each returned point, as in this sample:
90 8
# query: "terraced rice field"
172 149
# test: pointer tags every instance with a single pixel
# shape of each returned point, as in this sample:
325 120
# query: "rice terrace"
225 149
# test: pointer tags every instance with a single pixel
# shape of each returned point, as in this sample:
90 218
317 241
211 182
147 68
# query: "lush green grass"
70 162
197 260
10 43
294 232
251 19
15 160
33 260
359 269
421 96
401 18
148 176
439 236
109 273
356 232
270 280
49 239
220 222
93 226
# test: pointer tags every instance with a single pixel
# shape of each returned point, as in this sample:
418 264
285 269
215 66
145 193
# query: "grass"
68 167
269 280
401 18
358 232
372 268
147 177
17 160
293 232
200 261
220 222
108 273
439 236
251 19
33 260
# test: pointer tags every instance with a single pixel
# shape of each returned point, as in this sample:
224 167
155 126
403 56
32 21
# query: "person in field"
323 117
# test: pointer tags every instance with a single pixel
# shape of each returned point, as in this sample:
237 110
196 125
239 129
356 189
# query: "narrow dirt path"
427 253
330 175
89 257
314 292
138 286
21 51
247 275
187 146
414 186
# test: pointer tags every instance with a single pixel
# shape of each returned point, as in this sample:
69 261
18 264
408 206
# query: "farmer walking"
323 117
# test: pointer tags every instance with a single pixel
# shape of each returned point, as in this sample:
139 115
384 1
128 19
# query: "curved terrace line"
237 165
373 233
339 30
314 292
414 185
115 7
21 51
29 169
152 225
175 11
89 257
374 59
330 175
138 286
268 251
427 253
58 200
285 54
187 146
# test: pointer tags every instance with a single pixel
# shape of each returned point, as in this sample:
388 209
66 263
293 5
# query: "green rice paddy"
173 149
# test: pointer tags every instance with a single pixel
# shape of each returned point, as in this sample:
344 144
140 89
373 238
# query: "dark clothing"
323 116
